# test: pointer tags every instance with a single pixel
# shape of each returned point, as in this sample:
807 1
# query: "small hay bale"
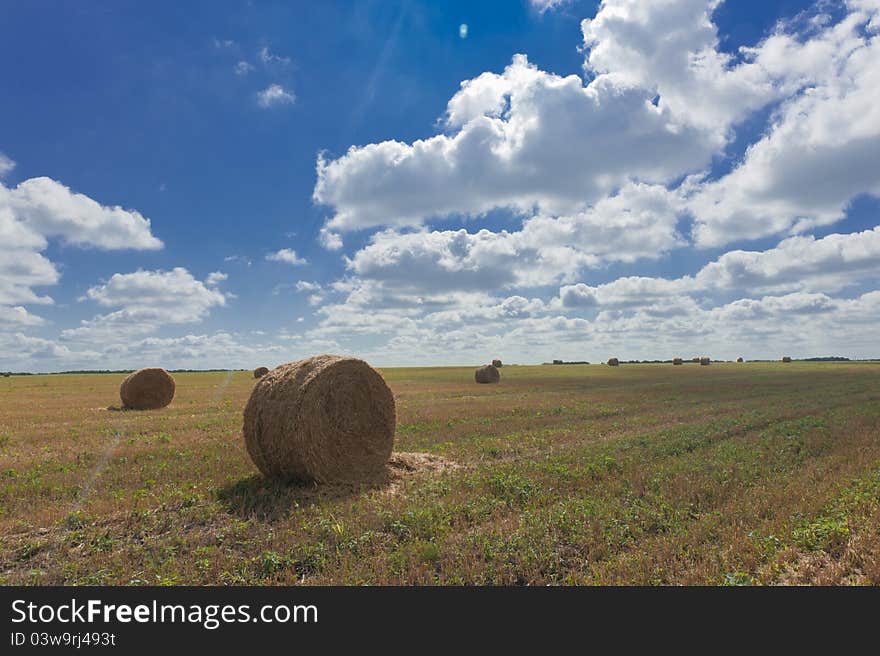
323 419
497 364
613 362
677 361
487 374
259 372
739 359
786 359
705 361
147 389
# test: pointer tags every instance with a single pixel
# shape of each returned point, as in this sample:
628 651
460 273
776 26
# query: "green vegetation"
733 474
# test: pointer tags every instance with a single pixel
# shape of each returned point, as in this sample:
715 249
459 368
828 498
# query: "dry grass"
562 475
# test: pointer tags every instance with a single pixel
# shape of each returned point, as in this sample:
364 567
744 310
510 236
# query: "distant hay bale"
487 374
613 362
786 359
259 372
323 419
677 361
739 359
147 389
705 361
497 364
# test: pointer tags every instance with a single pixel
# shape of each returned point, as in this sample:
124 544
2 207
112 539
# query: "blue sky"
641 182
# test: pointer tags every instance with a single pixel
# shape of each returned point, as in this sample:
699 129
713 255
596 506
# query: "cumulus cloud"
18 316
527 139
53 210
822 150
6 165
288 256
174 296
275 95
22 266
40 209
639 222
799 263
146 300
802 264
306 286
215 278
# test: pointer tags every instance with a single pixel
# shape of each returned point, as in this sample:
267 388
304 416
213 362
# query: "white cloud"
147 300
6 165
287 255
19 316
39 209
799 263
215 278
275 95
624 292
527 139
173 296
546 5
330 240
268 58
306 286
822 150
238 258
242 68
639 222
53 210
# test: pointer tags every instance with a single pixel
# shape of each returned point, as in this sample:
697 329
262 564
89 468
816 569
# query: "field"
641 474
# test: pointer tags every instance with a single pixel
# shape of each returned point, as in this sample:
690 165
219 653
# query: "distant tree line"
110 371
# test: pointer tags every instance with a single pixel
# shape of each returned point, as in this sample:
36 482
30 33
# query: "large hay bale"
147 389
487 374
613 362
497 364
259 372
677 361
739 359
323 419
705 361
786 359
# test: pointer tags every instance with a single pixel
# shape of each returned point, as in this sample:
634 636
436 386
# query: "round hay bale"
147 389
323 419
613 362
739 359
487 374
497 364
705 361
259 372
786 359
677 361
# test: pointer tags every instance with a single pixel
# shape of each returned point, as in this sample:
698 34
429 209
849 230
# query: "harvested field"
644 474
